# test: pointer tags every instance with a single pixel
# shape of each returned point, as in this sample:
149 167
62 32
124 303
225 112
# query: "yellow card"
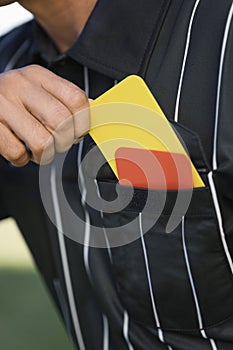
129 116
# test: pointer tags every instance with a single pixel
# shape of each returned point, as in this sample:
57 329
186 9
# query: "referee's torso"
161 291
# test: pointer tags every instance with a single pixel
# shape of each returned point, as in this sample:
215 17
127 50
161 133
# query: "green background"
28 319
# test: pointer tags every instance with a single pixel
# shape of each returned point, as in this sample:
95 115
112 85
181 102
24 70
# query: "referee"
163 291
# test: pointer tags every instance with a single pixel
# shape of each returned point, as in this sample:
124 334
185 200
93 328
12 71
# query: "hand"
39 111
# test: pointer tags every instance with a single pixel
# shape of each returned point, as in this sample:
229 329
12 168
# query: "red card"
153 169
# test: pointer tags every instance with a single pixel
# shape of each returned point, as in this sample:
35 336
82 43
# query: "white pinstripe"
126 316
155 312
219 218
102 217
213 344
87 229
86 80
215 165
126 330
84 189
87 218
176 116
210 175
214 159
65 264
198 310
222 59
191 278
106 333
17 55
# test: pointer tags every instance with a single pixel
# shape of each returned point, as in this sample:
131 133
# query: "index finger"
69 94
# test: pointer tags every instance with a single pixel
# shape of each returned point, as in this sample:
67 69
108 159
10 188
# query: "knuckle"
43 152
64 137
12 83
21 163
31 70
81 99
42 146
76 97
17 155
63 146
58 118
9 77
59 114
82 122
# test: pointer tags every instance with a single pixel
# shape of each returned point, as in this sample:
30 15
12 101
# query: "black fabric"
109 34
146 38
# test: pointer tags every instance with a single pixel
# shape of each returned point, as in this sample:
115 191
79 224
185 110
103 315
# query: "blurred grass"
28 319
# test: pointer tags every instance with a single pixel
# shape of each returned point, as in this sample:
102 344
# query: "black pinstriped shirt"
162 291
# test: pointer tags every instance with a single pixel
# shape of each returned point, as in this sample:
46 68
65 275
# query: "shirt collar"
117 39
119 36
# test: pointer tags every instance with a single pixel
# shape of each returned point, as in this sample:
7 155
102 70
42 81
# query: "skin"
39 109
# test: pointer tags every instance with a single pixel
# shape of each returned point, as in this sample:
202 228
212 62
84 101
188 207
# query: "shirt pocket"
179 280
